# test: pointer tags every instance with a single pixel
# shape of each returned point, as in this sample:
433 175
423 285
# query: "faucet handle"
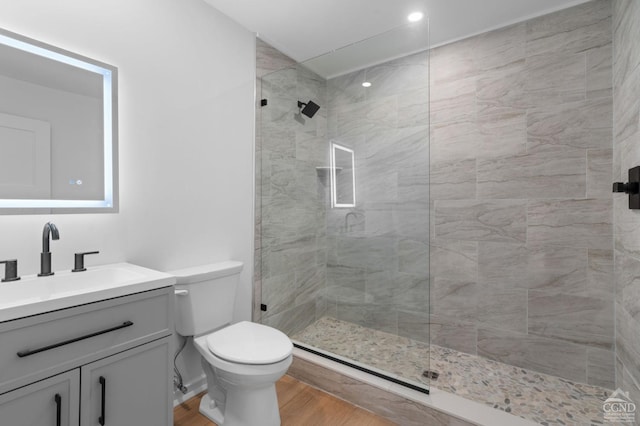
10 270
79 261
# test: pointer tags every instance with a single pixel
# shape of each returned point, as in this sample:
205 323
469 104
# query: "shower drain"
433 375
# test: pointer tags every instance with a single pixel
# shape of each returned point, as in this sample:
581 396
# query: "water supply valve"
632 188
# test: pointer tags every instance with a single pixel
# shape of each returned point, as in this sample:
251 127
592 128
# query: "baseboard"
195 386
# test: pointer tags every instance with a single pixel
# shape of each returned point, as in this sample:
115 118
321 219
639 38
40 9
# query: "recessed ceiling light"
415 16
366 84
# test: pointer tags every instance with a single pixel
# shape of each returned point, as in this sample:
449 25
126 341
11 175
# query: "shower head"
309 109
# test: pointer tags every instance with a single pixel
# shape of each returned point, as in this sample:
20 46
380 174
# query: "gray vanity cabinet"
50 402
130 388
108 362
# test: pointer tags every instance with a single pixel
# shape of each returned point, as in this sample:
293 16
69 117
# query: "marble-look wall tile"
454 298
502 134
413 188
414 325
453 101
346 89
627 281
502 266
571 30
410 292
539 139
626 108
508 266
413 257
554 78
577 319
557 268
454 260
547 174
405 149
277 294
500 48
269 59
626 33
406 74
601 368
453 62
599 173
292 320
585 124
573 223
413 108
629 383
501 90
600 72
627 341
600 275
542 354
502 309
454 141
451 333
453 180
367 117
481 220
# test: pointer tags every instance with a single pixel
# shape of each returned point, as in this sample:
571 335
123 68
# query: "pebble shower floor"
542 398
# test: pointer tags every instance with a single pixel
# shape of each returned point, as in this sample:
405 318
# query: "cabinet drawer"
57 341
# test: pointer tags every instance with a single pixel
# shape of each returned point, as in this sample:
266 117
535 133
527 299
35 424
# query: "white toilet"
242 361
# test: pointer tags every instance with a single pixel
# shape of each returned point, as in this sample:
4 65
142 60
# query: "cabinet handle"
58 399
103 385
27 352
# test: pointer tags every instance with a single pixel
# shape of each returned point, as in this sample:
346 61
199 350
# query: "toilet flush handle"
181 292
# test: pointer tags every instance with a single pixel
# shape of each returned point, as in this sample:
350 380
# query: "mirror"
343 176
58 130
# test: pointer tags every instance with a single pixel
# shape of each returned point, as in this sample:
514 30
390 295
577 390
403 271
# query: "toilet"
242 361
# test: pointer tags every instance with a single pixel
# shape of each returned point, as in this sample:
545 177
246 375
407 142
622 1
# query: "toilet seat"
249 343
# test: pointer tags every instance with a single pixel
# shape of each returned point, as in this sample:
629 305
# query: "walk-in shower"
446 218
345 202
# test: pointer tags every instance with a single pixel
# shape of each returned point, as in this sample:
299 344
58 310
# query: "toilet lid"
250 343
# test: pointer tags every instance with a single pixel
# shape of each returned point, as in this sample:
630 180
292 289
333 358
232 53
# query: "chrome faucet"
45 257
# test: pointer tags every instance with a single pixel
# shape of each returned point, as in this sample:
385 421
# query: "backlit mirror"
343 176
58 130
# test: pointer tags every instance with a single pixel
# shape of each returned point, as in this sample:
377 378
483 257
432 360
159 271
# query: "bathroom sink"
34 295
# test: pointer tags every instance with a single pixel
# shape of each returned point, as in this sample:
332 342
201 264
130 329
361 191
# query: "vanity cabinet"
102 363
127 389
50 402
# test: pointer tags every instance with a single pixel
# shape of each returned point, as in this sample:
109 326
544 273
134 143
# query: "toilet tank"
205 297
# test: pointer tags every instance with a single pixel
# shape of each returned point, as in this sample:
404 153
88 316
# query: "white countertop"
34 295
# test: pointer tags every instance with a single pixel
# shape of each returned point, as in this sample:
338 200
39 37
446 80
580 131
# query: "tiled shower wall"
626 150
521 154
290 198
378 251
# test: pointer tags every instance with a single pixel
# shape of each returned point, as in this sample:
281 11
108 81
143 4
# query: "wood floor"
300 404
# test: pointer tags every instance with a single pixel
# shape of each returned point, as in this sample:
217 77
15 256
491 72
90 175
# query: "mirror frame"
334 175
110 203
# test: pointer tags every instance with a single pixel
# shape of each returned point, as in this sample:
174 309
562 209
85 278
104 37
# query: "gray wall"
378 261
626 150
291 238
522 255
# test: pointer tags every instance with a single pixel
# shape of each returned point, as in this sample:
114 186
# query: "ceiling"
305 29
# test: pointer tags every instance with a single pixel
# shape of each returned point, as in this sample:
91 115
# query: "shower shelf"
323 172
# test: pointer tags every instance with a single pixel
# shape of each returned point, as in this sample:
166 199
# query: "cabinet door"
49 402
129 388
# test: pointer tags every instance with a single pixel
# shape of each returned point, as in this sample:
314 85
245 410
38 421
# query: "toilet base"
209 410
258 407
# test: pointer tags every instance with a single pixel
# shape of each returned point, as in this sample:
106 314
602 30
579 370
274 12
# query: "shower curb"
392 401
